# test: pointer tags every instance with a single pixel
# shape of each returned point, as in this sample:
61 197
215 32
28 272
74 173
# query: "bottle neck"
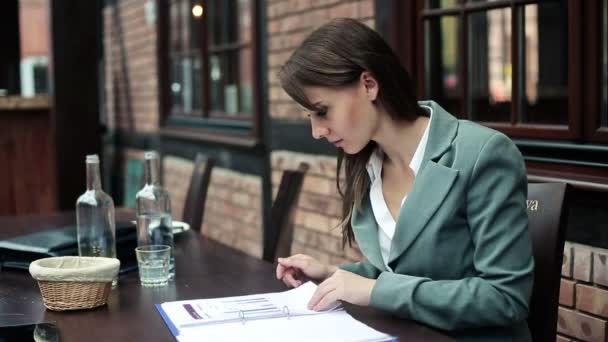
151 172
93 177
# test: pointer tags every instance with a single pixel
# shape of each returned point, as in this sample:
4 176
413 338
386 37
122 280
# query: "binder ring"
286 312
242 316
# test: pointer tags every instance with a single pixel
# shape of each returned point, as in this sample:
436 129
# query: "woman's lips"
338 142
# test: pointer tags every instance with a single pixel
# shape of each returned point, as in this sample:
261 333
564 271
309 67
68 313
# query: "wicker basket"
74 283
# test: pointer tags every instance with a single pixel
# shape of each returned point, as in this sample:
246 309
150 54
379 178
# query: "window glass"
490 66
230 68
545 64
185 73
24 56
441 62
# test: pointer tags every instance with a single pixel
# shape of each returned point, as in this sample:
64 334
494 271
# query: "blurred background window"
441 63
24 55
210 58
509 66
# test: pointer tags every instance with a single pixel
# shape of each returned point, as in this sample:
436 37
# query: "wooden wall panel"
27 171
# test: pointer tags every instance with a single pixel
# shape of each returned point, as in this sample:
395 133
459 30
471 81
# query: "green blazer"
461 254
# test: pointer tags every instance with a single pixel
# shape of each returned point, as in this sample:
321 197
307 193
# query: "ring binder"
286 312
243 319
247 313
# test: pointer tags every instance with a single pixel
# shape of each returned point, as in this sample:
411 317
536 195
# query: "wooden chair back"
281 229
547 208
194 208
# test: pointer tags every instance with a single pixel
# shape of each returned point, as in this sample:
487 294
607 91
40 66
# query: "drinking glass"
153 264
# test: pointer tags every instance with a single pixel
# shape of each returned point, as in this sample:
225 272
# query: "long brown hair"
335 55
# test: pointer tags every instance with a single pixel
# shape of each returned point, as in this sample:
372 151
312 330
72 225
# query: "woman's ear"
371 85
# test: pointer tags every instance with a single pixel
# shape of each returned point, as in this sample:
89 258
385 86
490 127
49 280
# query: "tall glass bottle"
153 210
96 225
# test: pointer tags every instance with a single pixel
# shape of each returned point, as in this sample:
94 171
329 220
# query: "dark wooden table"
204 269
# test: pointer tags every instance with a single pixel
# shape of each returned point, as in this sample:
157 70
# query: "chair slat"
281 228
194 208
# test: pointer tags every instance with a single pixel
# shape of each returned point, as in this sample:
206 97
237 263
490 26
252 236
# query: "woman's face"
346 117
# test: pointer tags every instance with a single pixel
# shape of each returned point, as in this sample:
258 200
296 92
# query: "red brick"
274 26
566 293
325 2
294 39
318 185
582 263
347 10
600 268
303 5
581 326
567 261
277 59
317 17
592 299
335 227
366 9
293 23
313 220
304 236
327 167
313 202
328 243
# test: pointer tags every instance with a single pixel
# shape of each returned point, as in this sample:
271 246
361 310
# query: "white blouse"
384 219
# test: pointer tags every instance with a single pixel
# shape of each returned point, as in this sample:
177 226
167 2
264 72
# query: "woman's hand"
299 268
345 286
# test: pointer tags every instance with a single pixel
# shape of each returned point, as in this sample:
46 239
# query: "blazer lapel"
427 194
365 229
432 183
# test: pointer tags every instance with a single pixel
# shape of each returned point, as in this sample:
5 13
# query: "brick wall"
233 209
583 297
176 179
289 22
319 207
130 62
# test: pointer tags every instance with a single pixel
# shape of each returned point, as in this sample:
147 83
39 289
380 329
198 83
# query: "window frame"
240 129
577 158
592 42
584 84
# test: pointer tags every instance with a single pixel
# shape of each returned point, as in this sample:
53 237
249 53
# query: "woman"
436 204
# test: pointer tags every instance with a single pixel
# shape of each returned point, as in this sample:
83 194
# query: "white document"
276 316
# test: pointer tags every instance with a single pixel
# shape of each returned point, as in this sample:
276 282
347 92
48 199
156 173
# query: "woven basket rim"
75 268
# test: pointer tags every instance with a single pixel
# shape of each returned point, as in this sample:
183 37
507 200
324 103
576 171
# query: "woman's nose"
318 131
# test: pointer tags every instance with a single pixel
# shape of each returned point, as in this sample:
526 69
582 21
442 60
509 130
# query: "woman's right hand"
297 269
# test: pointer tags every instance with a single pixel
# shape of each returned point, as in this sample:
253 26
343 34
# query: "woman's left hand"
345 286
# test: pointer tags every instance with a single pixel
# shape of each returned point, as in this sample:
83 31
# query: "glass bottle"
153 210
95 221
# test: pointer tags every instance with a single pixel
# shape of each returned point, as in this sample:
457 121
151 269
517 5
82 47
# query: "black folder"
20 251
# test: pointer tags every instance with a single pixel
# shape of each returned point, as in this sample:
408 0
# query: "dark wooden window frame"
240 130
584 55
578 158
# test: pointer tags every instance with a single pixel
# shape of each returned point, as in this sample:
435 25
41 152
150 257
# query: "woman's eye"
321 113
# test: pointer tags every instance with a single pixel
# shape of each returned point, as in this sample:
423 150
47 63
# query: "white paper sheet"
278 316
